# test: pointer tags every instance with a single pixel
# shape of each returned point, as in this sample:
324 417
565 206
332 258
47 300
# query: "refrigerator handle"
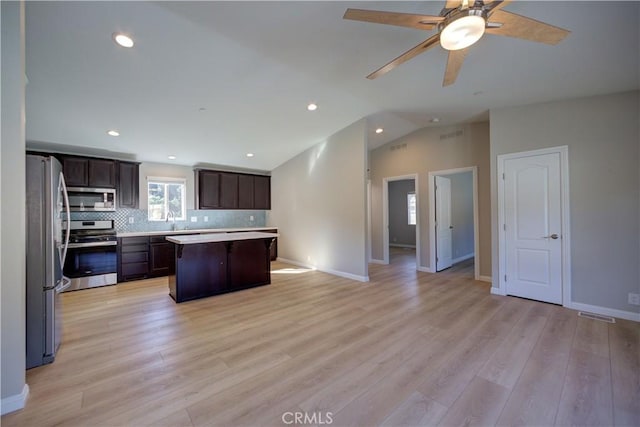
68 230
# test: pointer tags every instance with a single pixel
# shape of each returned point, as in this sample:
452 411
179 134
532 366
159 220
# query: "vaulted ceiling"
210 82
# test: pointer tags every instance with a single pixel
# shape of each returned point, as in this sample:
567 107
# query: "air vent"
398 147
596 317
451 134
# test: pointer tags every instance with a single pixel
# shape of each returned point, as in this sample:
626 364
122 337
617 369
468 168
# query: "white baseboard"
15 402
400 245
326 270
497 291
377 261
604 311
485 279
463 258
425 269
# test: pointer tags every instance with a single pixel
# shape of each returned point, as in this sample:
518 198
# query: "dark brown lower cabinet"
133 258
206 269
274 245
201 271
161 257
141 257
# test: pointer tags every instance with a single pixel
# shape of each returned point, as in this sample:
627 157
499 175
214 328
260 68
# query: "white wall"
604 162
428 150
12 208
400 232
462 214
318 204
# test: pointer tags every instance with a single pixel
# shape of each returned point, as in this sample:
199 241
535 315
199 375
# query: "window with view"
166 199
411 208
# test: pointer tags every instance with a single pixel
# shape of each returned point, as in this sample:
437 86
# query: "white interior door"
533 227
443 223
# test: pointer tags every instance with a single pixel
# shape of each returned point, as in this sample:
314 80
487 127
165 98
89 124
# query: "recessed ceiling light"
113 132
312 107
434 120
249 154
171 157
379 130
123 40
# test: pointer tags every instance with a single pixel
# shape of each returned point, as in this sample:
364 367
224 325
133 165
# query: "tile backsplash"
215 219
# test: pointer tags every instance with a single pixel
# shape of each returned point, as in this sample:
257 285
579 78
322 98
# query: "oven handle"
91 244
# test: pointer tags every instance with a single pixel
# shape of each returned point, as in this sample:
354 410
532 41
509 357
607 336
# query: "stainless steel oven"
83 199
91 255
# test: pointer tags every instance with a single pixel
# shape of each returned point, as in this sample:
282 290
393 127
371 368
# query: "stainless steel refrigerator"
47 208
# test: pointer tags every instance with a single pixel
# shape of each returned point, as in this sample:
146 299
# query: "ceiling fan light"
462 32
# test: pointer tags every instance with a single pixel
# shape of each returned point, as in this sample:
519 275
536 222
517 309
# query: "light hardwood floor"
407 348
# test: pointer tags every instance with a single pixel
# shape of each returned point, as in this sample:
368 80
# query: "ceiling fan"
459 26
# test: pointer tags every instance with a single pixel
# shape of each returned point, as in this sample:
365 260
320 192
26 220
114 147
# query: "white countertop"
219 237
189 231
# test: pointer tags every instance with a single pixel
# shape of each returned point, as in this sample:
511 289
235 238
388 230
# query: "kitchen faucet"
171 215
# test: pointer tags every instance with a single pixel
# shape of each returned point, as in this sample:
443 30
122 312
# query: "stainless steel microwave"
83 199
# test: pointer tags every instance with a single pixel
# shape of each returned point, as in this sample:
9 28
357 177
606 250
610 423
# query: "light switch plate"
130 220
206 219
194 219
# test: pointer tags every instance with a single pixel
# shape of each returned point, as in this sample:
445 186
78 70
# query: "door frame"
564 212
385 215
432 216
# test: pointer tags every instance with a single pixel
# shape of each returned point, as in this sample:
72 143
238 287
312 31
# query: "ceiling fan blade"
422 47
454 63
496 4
421 22
452 4
514 25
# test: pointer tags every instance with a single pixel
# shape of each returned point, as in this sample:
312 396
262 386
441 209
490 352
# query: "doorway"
401 220
533 203
453 215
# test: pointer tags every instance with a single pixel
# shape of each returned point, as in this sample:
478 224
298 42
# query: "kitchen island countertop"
219 237
192 231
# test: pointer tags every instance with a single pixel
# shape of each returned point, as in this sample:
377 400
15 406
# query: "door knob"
451 227
554 236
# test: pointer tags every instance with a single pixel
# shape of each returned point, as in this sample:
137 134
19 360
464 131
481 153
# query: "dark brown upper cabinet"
128 189
88 172
245 191
76 171
208 190
229 190
262 192
102 173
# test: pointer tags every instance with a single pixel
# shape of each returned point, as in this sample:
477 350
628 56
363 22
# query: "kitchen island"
211 264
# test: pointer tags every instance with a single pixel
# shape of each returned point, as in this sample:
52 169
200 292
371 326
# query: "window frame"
166 181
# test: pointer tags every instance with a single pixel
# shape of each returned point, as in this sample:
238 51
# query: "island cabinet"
273 251
207 265
201 271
